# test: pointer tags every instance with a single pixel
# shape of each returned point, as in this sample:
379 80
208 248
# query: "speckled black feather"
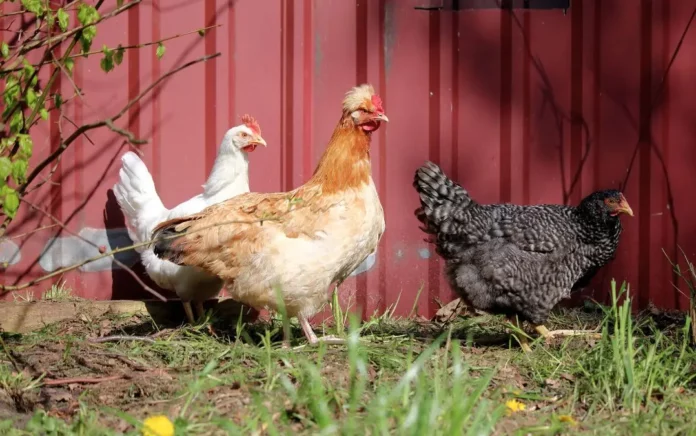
510 259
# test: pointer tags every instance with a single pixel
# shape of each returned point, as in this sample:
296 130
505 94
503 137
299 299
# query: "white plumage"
143 210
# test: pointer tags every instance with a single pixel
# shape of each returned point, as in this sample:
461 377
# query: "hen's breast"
302 265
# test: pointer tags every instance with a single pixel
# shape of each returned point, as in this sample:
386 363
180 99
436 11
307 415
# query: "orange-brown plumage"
302 240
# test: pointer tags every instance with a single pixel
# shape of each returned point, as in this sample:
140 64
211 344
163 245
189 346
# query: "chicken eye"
244 134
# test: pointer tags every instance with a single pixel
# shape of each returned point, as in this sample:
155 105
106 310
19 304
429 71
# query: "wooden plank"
23 317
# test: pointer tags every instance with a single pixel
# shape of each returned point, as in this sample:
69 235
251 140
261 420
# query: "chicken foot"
200 313
543 331
312 337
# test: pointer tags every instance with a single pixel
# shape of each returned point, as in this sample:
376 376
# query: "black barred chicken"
519 261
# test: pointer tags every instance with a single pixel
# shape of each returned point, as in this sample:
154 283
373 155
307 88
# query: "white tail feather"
137 196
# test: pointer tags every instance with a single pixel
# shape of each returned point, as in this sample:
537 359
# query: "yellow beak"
625 208
260 141
381 117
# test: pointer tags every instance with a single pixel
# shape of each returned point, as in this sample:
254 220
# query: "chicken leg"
524 343
543 331
200 313
200 310
189 312
312 337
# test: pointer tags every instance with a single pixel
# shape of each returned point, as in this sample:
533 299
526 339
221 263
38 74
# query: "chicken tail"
136 195
439 197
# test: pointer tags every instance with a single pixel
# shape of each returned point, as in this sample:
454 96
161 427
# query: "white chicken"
143 210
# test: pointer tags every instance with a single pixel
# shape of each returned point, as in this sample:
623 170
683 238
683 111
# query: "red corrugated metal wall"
530 107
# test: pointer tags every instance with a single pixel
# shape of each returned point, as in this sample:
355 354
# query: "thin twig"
64 227
129 135
31 232
8 353
117 338
8 288
81 380
66 118
125 47
64 145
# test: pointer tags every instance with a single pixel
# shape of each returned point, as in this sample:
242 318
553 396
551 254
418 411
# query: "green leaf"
51 19
19 170
107 62
29 73
69 63
63 19
86 42
160 50
118 54
10 203
6 142
31 98
5 168
57 100
35 6
87 14
4 49
43 113
16 122
201 32
27 68
119 3
12 90
26 146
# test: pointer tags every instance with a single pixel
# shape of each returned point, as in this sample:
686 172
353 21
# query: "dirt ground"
88 370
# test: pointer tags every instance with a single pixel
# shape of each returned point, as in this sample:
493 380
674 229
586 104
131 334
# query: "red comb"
251 123
377 102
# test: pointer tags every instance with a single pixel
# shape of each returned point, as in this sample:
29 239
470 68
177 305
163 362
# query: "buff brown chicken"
292 244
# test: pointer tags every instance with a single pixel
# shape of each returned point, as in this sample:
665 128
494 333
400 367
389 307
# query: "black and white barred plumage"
517 260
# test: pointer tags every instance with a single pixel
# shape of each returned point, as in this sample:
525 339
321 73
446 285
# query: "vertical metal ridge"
382 187
78 145
56 197
645 151
156 107
308 89
210 86
576 91
455 97
526 111
287 131
434 142
666 232
231 77
597 101
361 40
133 57
361 16
505 102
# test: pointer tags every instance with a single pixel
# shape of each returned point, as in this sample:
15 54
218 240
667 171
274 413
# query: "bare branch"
31 232
131 137
64 145
116 261
8 288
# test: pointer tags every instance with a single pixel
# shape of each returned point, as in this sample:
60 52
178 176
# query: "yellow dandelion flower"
567 419
158 425
514 406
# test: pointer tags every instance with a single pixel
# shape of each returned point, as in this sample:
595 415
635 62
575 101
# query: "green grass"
394 376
